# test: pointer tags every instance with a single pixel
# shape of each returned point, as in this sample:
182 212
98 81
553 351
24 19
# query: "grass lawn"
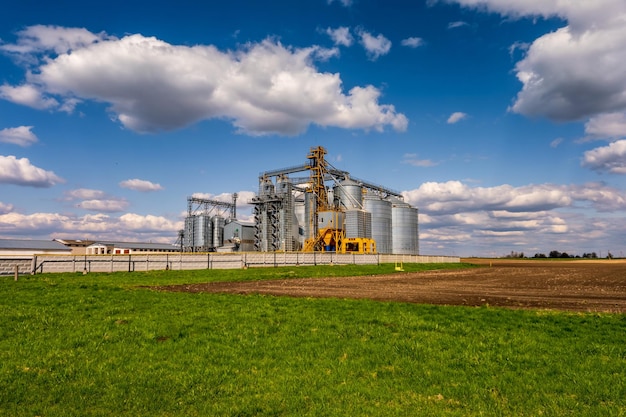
101 345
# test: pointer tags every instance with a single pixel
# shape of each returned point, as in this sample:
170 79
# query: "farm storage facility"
327 210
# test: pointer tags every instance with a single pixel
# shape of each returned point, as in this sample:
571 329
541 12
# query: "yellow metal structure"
319 169
357 245
332 237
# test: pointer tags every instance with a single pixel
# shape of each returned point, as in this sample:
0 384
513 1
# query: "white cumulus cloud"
27 95
455 215
375 46
40 38
128 227
95 200
22 172
609 125
575 72
611 158
21 136
152 85
140 185
147 223
106 206
455 196
340 36
83 194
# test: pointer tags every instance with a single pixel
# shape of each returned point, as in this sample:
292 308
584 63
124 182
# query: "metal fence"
186 261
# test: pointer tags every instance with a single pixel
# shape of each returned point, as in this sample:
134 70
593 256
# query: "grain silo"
198 233
358 223
348 195
380 210
218 231
404 228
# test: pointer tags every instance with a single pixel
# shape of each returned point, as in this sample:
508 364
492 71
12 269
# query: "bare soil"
591 286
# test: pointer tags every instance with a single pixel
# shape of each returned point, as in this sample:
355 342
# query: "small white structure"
127 248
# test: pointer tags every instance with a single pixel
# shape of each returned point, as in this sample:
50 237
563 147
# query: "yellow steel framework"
333 237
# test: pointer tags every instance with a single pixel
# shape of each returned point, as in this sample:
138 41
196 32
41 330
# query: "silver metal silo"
349 194
381 221
358 223
218 231
404 229
203 232
310 207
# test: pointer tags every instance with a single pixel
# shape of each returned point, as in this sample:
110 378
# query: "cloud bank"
455 215
129 226
151 85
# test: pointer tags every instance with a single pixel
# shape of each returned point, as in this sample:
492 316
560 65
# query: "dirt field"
598 286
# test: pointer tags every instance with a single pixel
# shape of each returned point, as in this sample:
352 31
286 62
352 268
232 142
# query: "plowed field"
595 286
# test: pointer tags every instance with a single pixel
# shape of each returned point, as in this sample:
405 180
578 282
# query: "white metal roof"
26 244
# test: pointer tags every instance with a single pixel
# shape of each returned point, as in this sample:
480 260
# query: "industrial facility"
326 211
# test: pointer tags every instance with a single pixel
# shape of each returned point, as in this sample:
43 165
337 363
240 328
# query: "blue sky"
503 121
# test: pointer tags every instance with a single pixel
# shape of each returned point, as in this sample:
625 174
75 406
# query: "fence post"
33 265
17 271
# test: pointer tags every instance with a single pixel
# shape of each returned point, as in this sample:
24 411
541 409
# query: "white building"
128 248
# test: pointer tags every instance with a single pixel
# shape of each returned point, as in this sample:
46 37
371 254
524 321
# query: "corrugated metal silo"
381 221
349 194
202 232
310 207
404 229
358 224
299 212
218 231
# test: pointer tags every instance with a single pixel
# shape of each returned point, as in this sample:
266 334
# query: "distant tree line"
557 254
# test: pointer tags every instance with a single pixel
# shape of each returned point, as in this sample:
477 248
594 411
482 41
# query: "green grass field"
102 345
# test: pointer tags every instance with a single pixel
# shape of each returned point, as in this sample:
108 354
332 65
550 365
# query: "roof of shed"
33 245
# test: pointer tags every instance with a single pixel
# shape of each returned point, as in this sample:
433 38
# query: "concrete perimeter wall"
187 261
8 264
